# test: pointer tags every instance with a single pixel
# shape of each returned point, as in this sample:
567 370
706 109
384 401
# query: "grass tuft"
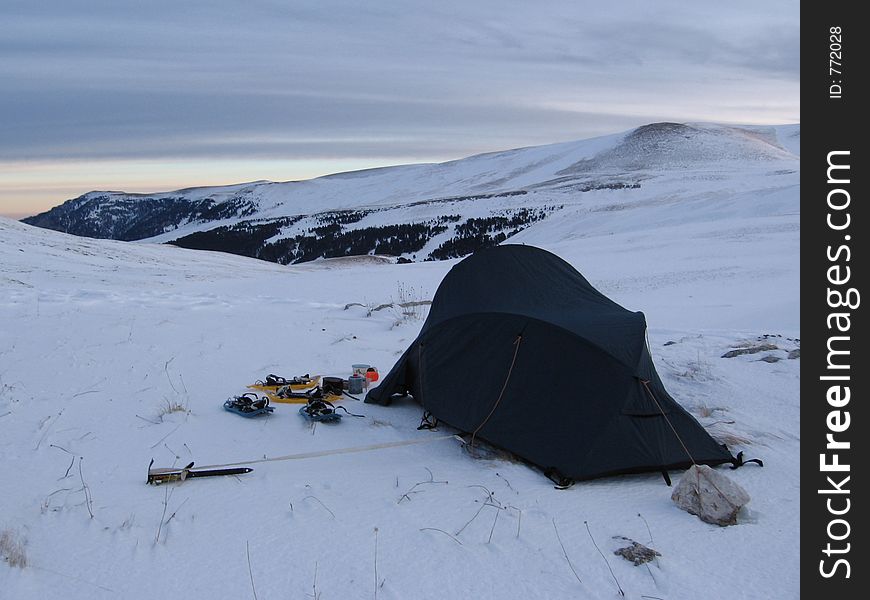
12 548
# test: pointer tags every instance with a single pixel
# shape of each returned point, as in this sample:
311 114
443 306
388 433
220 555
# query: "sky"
160 95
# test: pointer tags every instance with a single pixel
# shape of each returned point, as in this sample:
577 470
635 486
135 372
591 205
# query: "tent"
522 352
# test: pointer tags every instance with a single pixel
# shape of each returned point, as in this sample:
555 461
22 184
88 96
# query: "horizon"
150 191
142 100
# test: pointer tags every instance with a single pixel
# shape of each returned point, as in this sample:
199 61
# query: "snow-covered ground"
100 340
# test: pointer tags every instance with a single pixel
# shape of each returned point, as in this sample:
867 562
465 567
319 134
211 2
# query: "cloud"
338 78
96 124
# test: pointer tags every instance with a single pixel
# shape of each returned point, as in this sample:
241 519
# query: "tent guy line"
335 451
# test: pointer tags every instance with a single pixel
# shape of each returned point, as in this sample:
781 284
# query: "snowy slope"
644 152
98 339
525 187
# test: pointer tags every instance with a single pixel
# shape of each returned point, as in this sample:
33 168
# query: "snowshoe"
319 410
249 405
287 395
275 382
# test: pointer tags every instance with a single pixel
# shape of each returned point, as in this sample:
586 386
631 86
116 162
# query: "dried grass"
12 548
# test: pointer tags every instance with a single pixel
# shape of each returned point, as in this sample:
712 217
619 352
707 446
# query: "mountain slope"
437 211
115 353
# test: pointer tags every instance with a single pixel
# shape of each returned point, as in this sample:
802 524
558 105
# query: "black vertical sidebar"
834 370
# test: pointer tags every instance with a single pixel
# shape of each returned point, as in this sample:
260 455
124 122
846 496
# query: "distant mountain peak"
425 211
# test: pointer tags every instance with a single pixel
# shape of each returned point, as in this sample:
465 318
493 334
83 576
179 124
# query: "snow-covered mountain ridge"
437 211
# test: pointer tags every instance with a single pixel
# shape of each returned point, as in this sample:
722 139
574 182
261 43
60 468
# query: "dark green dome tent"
522 352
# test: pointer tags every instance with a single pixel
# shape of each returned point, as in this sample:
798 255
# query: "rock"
770 358
750 350
710 495
636 553
796 353
669 343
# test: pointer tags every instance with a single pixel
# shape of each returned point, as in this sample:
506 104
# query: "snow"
99 339
661 158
